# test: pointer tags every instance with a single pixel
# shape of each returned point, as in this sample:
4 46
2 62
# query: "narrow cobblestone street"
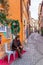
34 51
21 23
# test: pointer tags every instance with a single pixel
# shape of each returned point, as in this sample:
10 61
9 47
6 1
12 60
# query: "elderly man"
16 45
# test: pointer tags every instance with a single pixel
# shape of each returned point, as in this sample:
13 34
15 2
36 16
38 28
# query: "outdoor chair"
9 52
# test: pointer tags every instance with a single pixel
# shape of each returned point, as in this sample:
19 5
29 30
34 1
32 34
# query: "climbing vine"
15 27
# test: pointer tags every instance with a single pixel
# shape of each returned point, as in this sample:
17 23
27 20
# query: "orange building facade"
17 10
15 13
3 33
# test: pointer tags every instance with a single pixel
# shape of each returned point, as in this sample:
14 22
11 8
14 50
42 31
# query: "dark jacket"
15 44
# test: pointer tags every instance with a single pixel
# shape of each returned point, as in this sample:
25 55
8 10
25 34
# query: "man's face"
17 38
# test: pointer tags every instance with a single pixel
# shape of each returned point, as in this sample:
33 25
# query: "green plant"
2 15
15 27
3 18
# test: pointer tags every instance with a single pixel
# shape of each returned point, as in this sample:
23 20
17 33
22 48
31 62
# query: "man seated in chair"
16 45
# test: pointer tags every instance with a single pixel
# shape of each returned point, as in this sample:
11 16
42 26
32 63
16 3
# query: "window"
24 21
2 28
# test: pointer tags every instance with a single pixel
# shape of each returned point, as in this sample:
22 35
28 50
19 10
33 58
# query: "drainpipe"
21 9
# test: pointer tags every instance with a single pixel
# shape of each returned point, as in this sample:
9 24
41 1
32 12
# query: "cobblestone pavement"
34 54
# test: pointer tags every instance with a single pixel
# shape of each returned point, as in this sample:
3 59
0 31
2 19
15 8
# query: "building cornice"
21 9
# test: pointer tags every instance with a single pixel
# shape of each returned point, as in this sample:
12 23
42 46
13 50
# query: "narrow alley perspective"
34 51
21 32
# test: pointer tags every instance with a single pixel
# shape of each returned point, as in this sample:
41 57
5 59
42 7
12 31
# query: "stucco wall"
15 13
